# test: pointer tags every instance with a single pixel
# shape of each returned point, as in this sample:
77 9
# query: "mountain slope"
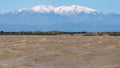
63 18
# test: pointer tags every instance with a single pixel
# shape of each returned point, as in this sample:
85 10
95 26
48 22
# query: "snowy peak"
60 10
42 8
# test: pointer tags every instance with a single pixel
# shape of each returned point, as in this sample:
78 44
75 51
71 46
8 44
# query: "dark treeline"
60 32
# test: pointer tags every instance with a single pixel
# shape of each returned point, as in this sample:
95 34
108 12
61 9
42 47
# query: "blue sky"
100 5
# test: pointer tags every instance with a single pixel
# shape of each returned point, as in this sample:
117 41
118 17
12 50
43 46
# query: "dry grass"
59 51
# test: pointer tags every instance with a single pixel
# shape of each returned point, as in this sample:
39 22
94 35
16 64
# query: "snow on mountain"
59 10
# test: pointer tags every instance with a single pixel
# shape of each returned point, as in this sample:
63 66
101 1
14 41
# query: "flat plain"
59 51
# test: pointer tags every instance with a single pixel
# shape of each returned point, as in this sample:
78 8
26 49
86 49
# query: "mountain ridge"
27 19
58 10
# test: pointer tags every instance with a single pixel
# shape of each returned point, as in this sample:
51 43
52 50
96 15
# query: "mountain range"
62 18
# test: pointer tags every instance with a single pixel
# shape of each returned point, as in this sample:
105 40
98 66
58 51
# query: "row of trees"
58 33
30 33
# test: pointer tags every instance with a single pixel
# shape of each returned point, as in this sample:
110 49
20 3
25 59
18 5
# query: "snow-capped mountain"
62 18
59 10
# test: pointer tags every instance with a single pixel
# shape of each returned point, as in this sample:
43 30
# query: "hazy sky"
100 5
